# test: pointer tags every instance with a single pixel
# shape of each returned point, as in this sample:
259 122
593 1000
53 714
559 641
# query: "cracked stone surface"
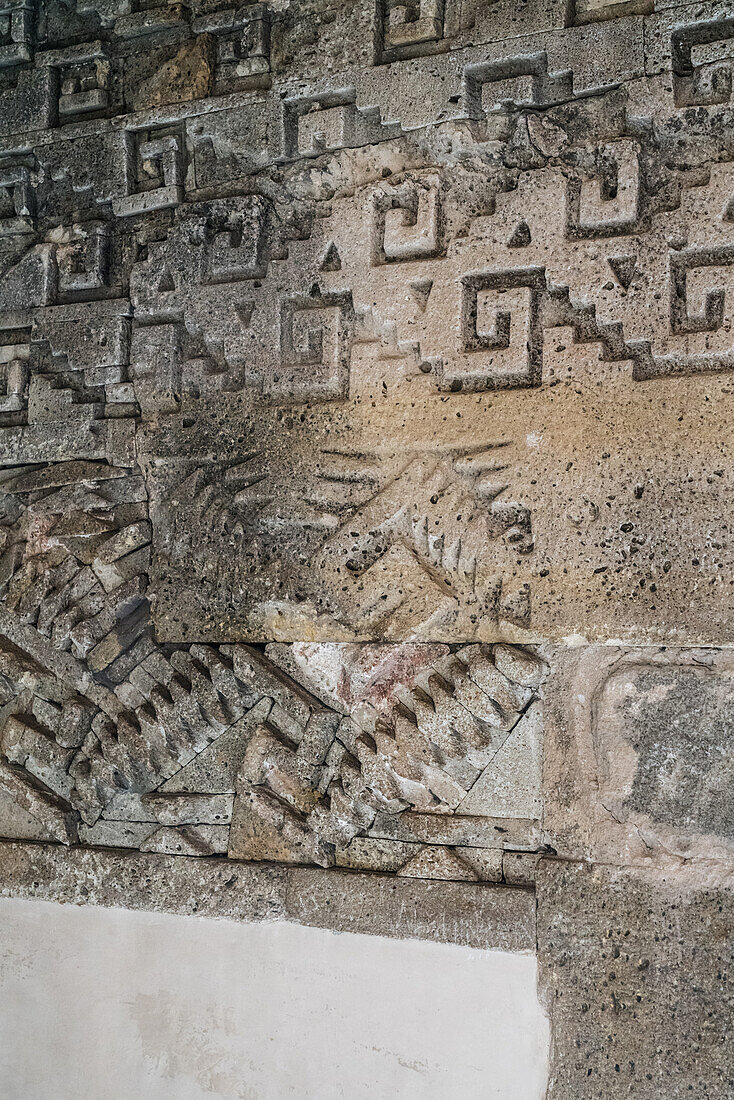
366 381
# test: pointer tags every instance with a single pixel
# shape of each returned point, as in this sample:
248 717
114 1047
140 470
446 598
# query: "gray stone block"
635 973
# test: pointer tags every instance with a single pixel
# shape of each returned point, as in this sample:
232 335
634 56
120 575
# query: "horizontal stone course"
472 915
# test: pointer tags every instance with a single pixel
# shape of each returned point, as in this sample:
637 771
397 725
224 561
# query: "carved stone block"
366 480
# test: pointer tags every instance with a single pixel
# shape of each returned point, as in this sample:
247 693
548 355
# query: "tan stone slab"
614 524
475 915
457 425
467 913
639 757
134 880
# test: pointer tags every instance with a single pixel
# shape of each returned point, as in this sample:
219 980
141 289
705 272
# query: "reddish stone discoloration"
39 533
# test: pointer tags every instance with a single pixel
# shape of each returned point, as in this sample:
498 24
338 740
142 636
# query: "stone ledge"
469 914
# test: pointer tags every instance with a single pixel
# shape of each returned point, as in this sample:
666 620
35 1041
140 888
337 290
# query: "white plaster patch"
120 1004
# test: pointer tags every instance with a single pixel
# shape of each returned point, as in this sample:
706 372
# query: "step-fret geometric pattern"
352 356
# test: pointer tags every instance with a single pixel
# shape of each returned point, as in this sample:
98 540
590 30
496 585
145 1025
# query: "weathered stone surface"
472 914
19 823
459 283
639 751
187 76
386 508
126 741
635 972
418 750
510 786
366 483
135 881
460 912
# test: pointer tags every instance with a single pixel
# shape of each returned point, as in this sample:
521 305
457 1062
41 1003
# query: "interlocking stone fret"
359 362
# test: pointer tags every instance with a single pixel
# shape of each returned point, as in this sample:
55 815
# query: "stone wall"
366 487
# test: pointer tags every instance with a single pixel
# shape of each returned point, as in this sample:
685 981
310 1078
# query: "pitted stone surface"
431 342
366 374
636 975
463 913
638 756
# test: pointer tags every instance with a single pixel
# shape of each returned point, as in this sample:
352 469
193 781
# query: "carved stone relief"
366 375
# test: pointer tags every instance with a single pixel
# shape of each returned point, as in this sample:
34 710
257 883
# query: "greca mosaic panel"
366 485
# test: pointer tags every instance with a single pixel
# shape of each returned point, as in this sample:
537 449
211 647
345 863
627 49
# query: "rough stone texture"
419 313
187 76
365 432
320 745
636 973
115 739
463 913
639 752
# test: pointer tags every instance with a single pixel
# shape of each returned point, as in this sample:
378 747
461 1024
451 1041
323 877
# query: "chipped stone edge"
467 914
